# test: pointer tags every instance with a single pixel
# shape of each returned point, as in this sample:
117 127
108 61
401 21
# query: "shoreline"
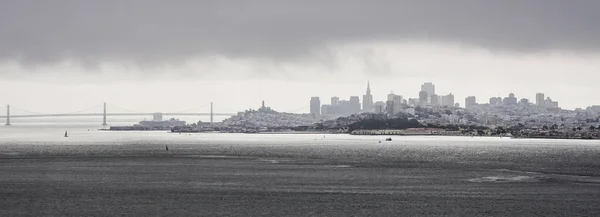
331 133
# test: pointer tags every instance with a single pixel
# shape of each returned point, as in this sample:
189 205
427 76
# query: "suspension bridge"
105 114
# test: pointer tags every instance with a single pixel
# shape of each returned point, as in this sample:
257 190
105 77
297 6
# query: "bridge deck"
116 114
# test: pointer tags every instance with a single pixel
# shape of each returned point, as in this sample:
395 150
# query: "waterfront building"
315 106
368 100
157 116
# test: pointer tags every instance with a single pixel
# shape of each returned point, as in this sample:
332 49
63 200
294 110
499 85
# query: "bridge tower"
104 116
211 112
7 115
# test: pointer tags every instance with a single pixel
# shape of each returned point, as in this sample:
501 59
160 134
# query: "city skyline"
428 97
298 107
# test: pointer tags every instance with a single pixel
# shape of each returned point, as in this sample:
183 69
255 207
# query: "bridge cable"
27 111
295 110
226 109
124 109
78 111
187 110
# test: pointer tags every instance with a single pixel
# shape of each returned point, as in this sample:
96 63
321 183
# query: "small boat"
388 139
66 135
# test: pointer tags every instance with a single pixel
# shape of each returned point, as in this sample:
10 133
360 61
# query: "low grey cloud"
159 31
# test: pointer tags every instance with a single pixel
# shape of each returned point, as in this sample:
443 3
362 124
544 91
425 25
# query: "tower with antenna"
367 105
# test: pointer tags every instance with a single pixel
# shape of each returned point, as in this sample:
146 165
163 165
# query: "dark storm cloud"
152 30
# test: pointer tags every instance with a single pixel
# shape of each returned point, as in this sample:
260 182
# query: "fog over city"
150 55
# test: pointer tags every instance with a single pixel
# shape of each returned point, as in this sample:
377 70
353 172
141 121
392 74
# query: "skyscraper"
434 100
325 109
510 100
368 100
379 107
496 101
389 104
470 102
315 106
335 100
390 97
539 99
423 95
448 100
429 88
354 104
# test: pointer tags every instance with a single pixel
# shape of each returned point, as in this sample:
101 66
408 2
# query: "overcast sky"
151 55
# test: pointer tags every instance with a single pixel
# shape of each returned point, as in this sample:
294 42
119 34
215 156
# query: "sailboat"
66 135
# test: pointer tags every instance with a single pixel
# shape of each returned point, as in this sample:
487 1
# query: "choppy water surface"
130 173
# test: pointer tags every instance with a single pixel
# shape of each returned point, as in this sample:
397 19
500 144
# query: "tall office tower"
470 102
539 99
550 104
423 95
389 104
379 107
495 101
448 100
389 107
335 100
368 100
397 104
315 106
325 109
434 100
390 97
510 100
354 104
429 88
